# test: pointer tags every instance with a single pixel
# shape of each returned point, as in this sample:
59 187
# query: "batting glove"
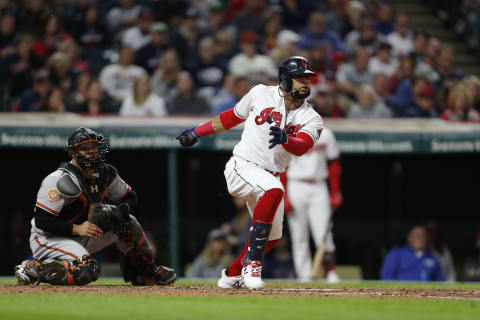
279 136
188 138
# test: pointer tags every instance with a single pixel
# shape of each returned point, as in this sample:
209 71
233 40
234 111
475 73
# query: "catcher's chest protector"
93 191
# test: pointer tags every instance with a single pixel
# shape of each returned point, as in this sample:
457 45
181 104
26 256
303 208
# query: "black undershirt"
49 223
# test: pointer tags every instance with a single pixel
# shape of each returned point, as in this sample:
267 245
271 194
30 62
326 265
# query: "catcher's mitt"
107 217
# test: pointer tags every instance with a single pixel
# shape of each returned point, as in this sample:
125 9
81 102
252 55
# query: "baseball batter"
312 202
81 208
279 124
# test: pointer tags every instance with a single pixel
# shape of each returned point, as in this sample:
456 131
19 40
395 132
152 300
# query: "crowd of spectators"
157 58
460 16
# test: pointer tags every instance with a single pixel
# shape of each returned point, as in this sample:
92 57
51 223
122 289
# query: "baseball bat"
319 253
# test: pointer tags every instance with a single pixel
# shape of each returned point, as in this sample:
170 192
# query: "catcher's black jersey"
105 186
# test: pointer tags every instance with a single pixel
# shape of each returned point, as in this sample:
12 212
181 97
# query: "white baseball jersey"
313 165
259 103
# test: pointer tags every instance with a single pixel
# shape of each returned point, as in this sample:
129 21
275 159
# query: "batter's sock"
267 206
329 262
270 245
262 219
263 215
235 268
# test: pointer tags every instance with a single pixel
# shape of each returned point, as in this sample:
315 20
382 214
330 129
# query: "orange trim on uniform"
105 192
128 190
141 240
47 208
56 249
70 278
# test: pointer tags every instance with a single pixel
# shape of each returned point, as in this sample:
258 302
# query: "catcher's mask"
84 136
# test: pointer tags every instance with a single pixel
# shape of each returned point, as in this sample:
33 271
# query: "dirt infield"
208 290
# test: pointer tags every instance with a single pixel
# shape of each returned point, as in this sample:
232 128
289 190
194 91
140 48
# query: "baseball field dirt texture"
112 299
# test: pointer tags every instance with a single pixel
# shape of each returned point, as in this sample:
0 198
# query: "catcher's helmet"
290 68
83 136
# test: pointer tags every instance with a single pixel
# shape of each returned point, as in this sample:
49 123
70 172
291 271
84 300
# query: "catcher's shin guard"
81 272
138 266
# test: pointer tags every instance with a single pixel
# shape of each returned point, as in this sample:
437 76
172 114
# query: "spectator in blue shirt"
384 23
316 33
241 87
412 262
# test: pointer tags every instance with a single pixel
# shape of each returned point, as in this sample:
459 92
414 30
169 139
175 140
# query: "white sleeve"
126 107
313 128
157 105
331 146
106 80
342 73
270 67
48 196
128 37
244 106
235 67
118 189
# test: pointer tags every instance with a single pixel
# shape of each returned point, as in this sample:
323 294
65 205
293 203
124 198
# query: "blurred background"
397 83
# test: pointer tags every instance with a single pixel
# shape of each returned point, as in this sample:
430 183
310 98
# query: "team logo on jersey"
53 194
94 188
274 115
292 129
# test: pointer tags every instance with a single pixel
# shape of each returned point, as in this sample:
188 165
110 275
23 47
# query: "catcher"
81 208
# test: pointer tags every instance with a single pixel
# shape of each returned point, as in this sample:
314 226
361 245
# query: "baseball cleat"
28 272
22 277
332 277
252 275
227 282
165 276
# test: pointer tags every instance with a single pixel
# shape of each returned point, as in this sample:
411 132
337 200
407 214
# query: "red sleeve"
283 180
334 174
299 145
228 119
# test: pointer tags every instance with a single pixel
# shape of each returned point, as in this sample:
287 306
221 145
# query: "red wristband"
204 129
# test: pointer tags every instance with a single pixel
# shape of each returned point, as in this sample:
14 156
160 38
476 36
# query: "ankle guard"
258 239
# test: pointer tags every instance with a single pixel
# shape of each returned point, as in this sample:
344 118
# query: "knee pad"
131 233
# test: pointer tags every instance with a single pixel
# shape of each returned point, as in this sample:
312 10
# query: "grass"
89 306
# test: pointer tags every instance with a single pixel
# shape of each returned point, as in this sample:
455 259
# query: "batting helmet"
83 136
290 68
